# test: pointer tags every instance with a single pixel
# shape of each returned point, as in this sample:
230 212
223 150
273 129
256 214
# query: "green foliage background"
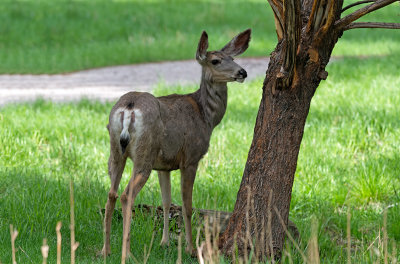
52 36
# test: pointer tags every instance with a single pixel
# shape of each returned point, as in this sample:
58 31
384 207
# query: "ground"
109 83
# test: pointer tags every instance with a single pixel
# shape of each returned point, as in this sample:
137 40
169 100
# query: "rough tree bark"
307 33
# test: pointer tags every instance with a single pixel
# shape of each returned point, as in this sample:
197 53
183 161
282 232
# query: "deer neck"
214 96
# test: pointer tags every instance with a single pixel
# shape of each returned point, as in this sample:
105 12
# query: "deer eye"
215 62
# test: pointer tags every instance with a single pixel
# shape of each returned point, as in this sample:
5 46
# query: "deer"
169 133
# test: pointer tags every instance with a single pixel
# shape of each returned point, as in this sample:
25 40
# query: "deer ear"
238 44
202 47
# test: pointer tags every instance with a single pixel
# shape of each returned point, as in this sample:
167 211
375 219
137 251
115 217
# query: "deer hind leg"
188 175
165 184
136 183
115 168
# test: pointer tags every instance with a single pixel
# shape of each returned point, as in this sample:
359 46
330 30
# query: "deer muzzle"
241 75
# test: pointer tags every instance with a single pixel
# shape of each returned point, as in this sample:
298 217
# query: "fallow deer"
168 133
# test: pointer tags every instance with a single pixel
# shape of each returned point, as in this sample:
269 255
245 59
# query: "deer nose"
243 73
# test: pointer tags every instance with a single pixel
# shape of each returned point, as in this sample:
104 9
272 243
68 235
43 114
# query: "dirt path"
109 83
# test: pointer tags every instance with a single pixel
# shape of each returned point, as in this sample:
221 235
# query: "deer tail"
127 119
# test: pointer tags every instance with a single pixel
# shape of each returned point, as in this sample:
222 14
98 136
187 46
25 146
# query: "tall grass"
50 36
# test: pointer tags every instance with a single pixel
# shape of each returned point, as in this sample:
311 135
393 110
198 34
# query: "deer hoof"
191 251
164 243
104 252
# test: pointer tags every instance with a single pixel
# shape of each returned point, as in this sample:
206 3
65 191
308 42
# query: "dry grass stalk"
208 251
374 250
263 244
74 245
290 236
23 251
14 234
199 247
202 251
45 251
370 253
215 234
208 255
58 231
147 254
394 253
235 247
313 252
348 236
373 242
179 260
211 249
256 231
287 253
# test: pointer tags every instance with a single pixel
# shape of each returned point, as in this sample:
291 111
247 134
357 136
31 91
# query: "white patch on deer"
138 125
116 125
126 123
135 132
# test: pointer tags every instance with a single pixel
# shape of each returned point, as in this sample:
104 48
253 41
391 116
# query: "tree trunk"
307 33
263 200
269 172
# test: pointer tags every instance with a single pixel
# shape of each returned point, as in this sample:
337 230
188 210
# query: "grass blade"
74 245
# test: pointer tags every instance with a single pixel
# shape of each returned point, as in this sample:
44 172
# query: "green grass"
47 36
349 159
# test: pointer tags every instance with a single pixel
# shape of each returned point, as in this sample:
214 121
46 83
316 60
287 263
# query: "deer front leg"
115 168
135 184
165 185
188 175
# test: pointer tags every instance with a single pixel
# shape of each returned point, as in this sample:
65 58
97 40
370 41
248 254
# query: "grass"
47 36
349 160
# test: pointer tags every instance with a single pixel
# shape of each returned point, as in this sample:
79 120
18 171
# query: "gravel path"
109 83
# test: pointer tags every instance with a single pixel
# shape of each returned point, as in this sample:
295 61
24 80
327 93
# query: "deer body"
169 133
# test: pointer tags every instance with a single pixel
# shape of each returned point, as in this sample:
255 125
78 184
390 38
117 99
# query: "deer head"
219 66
